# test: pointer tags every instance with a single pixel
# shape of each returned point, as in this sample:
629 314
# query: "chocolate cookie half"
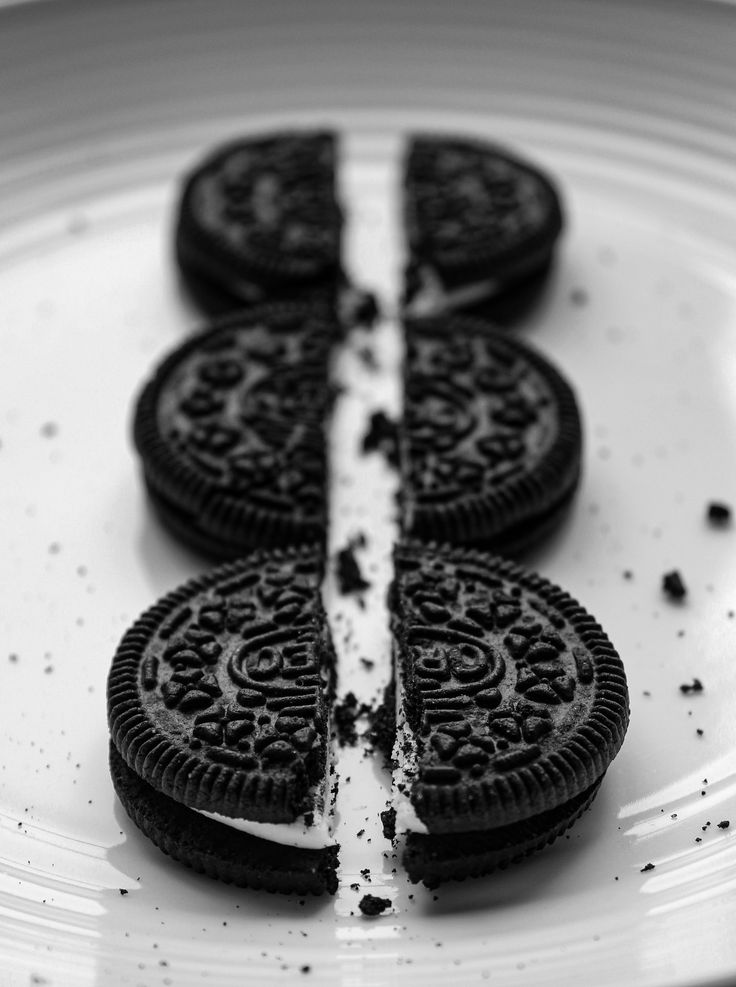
512 704
481 225
230 430
491 438
219 700
259 219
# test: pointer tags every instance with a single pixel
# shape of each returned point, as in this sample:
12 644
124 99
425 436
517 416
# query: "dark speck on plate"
673 585
688 687
371 904
719 514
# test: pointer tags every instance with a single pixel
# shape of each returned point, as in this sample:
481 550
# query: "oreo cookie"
219 699
259 220
512 704
490 441
230 430
481 225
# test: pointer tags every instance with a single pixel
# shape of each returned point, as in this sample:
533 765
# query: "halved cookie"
491 437
481 224
219 699
512 704
230 430
259 219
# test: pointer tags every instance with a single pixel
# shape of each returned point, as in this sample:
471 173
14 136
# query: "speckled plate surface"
632 107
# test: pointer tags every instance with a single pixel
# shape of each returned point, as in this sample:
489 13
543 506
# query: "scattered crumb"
123 891
367 357
347 570
372 905
724 823
647 867
359 308
382 436
719 514
367 663
388 821
346 714
695 686
673 585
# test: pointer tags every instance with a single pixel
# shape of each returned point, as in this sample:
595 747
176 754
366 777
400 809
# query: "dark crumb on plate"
699 732
346 714
382 436
695 686
347 570
123 891
647 867
719 514
673 585
724 823
305 969
367 663
366 873
388 821
367 358
359 307
371 904
628 574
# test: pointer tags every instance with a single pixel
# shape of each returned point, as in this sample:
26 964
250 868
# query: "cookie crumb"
647 867
382 436
695 686
719 514
724 824
673 585
371 904
347 571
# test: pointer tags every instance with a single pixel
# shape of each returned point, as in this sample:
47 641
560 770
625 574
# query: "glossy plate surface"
631 106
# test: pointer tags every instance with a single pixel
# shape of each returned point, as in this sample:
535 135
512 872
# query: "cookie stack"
509 700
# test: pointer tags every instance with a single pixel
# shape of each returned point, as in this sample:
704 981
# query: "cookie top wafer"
491 437
219 695
231 431
475 210
515 698
260 215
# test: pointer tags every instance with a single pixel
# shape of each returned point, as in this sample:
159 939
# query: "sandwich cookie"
230 430
259 219
481 225
219 699
512 703
491 437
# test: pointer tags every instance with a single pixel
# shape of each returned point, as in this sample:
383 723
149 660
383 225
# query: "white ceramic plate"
631 105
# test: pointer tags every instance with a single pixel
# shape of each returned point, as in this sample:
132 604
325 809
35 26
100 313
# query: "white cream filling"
315 837
433 298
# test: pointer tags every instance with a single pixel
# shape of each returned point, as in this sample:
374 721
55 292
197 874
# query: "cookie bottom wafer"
434 859
212 848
